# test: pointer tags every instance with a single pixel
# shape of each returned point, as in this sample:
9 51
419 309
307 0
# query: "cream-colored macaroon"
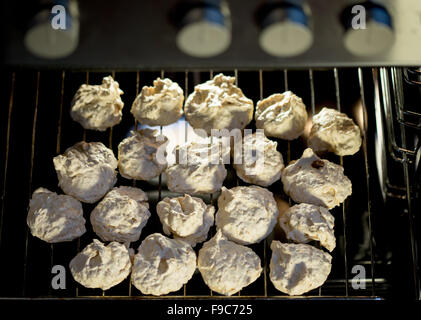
281 115
218 104
227 267
98 107
86 171
159 105
335 132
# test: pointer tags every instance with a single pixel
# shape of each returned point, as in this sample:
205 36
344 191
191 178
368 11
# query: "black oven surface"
374 227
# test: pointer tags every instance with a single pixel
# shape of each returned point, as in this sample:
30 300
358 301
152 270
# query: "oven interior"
376 254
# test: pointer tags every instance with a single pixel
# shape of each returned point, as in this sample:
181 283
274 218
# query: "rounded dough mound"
305 222
187 218
316 181
100 266
162 265
121 215
282 116
227 267
55 218
333 131
199 169
251 170
218 104
98 107
86 171
159 105
142 156
246 215
298 268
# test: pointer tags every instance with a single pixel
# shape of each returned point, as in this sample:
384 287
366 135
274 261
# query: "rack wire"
343 282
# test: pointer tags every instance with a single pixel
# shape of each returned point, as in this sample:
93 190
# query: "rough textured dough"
263 175
121 215
162 265
200 170
298 268
100 266
316 181
86 171
98 107
333 131
159 105
55 218
246 215
218 104
227 267
142 156
305 222
282 116
187 218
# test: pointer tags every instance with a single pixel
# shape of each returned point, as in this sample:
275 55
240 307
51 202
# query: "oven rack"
340 287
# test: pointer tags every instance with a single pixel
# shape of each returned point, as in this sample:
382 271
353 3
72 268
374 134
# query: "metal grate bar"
343 205
6 160
364 110
31 170
397 86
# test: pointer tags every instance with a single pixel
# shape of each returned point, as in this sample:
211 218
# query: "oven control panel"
187 34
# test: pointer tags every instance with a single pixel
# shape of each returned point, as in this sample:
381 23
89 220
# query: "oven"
376 256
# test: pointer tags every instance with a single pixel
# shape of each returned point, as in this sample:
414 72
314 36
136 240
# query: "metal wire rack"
47 130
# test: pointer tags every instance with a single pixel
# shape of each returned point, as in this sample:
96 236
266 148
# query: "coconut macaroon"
199 168
55 218
218 104
121 215
305 222
98 107
333 131
260 163
282 116
227 267
159 105
100 266
316 181
298 268
142 156
246 215
186 218
86 171
162 265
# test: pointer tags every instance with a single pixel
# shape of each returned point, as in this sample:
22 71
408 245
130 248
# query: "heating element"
376 253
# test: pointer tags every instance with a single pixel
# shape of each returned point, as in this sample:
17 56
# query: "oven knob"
285 30
204 28
369 29
53 31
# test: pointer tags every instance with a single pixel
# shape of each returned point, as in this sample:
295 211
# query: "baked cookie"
159 105
199 169
333 131
218 104
100 266
298 268
142 156
162 265
305 222
186 218
121 215
98 107
86 171
282 116
252 169
246 215
227 267
316 181
55 218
